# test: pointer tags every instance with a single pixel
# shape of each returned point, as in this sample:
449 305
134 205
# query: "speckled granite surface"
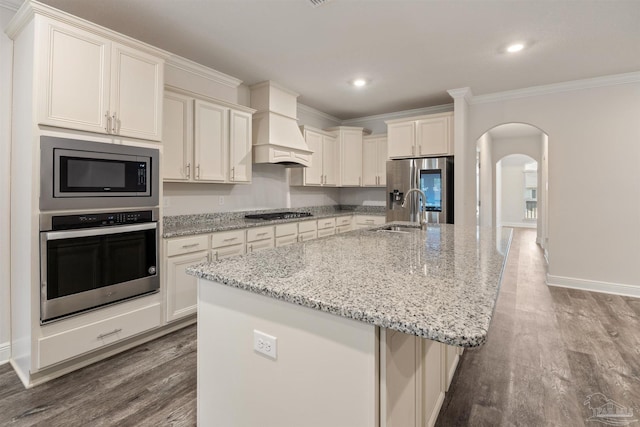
440 284
187 225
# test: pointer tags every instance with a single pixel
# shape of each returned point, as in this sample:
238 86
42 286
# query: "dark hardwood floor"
150 385
548 349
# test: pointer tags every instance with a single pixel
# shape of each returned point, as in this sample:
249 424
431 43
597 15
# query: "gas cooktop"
278 215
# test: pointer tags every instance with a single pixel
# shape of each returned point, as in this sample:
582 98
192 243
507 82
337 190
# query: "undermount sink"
396 229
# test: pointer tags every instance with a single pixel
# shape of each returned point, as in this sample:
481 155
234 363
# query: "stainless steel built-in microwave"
77 174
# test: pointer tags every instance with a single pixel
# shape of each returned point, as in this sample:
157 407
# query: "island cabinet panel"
412 380
325 372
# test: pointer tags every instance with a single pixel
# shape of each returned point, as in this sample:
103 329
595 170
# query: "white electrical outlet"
265 344
221 200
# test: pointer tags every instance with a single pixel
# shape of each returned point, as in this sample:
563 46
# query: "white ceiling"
412 51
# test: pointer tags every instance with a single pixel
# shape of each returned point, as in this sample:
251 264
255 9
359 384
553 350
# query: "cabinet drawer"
326 232
369 220
286 240
344 220
260 245
343 229
227 238
228 251
68 344
259 233
306 226
186 245
286 229
307 235
326 223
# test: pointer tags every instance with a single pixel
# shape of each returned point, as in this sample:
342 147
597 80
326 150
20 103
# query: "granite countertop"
440 284
188 225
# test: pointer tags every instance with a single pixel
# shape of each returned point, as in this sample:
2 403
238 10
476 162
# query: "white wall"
363 196
512 191
6 55
593 155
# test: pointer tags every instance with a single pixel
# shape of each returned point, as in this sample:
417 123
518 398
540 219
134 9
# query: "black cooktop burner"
278 215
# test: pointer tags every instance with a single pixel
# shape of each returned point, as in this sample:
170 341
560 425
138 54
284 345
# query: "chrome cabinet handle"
233 174
198 171
108 117
115 331
231 239
114 124
262 234
188 170
193 245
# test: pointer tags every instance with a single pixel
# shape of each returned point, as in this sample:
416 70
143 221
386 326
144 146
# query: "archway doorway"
493 147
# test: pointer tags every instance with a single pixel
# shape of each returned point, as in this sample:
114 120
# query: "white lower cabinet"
260 238
412 380
364 221
85 338
182 295
307 230
344 224
225 244
286 234
326 227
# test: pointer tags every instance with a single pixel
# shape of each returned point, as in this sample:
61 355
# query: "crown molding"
200 70
463 92
12 5
318 113
595 82
445 108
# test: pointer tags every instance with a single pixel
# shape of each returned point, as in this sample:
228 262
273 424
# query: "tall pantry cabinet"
72 79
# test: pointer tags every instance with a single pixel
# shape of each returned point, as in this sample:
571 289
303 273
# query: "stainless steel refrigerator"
434 176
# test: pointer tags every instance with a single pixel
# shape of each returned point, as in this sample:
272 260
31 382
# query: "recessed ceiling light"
516 47
359 82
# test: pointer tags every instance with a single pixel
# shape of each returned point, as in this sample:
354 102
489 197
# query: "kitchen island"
356 327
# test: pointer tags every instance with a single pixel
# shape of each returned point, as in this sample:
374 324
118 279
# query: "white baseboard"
594 286
519 224
5 352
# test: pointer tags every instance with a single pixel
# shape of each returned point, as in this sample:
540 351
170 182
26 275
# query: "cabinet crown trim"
177 90
412 119
200 70
30 8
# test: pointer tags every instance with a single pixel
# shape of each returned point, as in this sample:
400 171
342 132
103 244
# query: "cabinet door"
313 174
74 79
182 290
239 146
401 138
330 162
177 137
351 158
382 158
370 162
210 141
136 93
433 136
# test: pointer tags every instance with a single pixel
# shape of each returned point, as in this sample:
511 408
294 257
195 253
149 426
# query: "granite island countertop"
440 284
189 225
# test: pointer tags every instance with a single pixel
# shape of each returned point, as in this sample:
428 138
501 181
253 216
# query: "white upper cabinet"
89 82
240 146
349 155
177 134
374 161
424 136
205 141
210 141
324 160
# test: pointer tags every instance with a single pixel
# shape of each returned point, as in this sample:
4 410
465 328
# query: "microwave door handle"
90 232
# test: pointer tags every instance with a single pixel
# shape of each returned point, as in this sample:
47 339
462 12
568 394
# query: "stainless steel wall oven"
90 260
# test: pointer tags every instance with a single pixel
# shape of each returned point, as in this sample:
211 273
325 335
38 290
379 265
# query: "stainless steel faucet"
423 213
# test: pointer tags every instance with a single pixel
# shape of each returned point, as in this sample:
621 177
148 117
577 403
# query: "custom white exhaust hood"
276 135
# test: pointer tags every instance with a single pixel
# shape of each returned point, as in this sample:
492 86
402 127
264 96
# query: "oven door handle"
90 232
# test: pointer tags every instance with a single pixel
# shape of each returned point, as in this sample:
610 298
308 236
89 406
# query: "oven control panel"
102 219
